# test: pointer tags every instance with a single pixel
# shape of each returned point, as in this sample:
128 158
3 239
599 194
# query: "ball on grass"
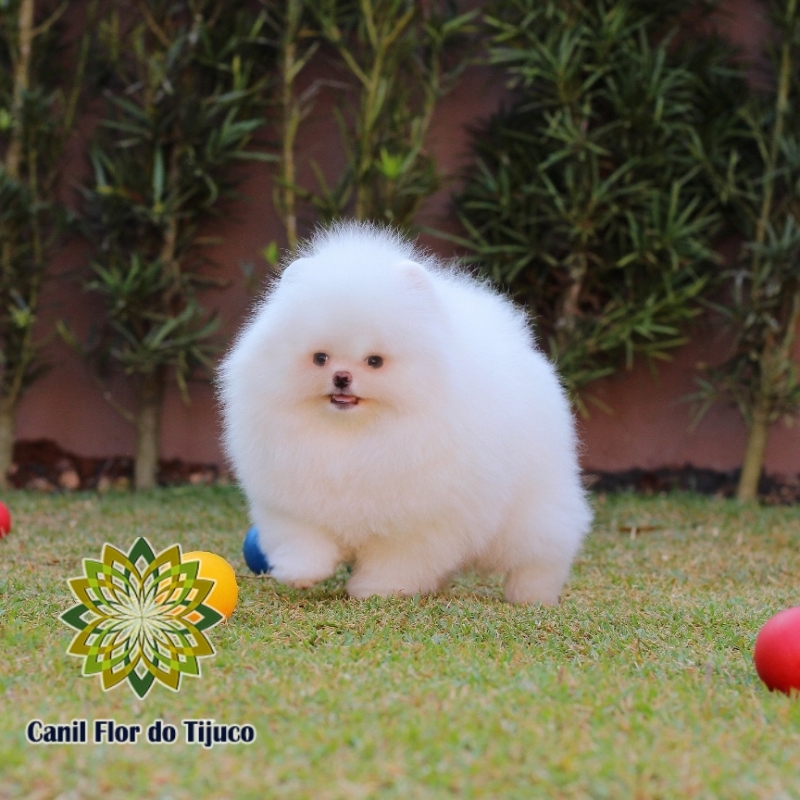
777 652
254 556
225 593
5 520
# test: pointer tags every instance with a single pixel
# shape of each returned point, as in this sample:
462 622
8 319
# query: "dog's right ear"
291 273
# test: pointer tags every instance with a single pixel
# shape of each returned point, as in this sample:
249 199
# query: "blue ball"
254 557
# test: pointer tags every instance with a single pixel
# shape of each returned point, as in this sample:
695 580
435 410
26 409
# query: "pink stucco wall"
649 427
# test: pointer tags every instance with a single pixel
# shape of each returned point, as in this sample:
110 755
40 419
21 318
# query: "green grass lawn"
640 685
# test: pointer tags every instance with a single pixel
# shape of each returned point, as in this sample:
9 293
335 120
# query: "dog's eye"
374 361
320 359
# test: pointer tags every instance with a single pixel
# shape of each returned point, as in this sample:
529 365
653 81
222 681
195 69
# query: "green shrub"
37 114
183 86
759 182
587 198
391 62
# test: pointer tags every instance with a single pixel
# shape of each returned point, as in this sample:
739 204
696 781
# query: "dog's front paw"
363 586
302 570
361 591
297 580
533 586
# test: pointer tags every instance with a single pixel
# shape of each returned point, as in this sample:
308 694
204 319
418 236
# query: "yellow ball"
225 593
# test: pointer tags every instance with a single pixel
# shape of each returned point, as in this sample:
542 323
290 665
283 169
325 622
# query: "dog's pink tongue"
345 399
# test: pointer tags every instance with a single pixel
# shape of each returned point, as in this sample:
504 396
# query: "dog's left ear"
417 283
415 276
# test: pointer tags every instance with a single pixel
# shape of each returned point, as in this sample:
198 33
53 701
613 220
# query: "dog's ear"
291 273
417 283
415 276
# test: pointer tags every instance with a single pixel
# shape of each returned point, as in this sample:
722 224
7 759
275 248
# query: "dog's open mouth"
344 400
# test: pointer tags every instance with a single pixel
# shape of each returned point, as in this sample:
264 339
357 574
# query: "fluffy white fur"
457 451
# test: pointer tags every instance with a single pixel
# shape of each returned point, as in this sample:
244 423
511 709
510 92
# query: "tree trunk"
757 435
7 424
148 430
291 121
753 458
21 83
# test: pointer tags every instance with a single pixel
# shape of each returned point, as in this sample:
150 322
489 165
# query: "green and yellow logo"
141 617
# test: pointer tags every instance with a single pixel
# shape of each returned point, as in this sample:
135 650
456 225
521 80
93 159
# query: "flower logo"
140 617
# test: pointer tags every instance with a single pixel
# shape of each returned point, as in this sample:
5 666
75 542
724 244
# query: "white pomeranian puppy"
385 411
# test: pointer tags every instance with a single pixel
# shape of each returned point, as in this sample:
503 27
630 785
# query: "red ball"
777 653
5 520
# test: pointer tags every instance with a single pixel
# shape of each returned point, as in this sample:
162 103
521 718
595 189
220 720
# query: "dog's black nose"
341 380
